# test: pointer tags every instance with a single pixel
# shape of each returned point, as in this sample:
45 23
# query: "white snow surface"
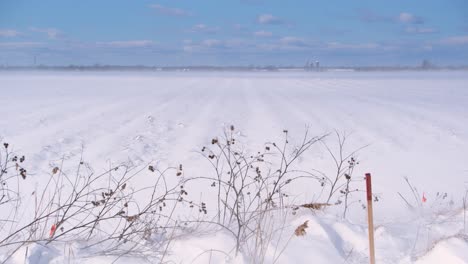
414 124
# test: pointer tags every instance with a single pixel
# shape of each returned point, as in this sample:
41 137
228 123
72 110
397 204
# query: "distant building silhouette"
426 64
312 66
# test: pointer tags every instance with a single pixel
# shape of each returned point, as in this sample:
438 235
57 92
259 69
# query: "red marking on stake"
368 187
424 198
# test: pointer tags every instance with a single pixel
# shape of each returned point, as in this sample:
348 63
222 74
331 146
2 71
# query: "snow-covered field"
414 124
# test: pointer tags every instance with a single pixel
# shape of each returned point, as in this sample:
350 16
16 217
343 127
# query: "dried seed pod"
23 173
301 230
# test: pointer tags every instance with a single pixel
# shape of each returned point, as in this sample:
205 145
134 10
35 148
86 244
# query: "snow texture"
414 123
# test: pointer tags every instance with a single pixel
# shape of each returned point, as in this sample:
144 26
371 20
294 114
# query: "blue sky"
233 32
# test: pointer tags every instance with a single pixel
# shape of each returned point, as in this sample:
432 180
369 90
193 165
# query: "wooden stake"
370 218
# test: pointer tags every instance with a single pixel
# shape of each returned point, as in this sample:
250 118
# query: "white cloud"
417 30
169 11
409 18
427 47
202 28
126 44
269 19
285 44
8 33
263 34
188 48
288 43
211 43
20 44
370 16
205 45
359 46
405 17
292 41
239 27
51 33
457 40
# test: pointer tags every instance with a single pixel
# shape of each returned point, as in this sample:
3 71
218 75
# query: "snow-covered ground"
415 125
